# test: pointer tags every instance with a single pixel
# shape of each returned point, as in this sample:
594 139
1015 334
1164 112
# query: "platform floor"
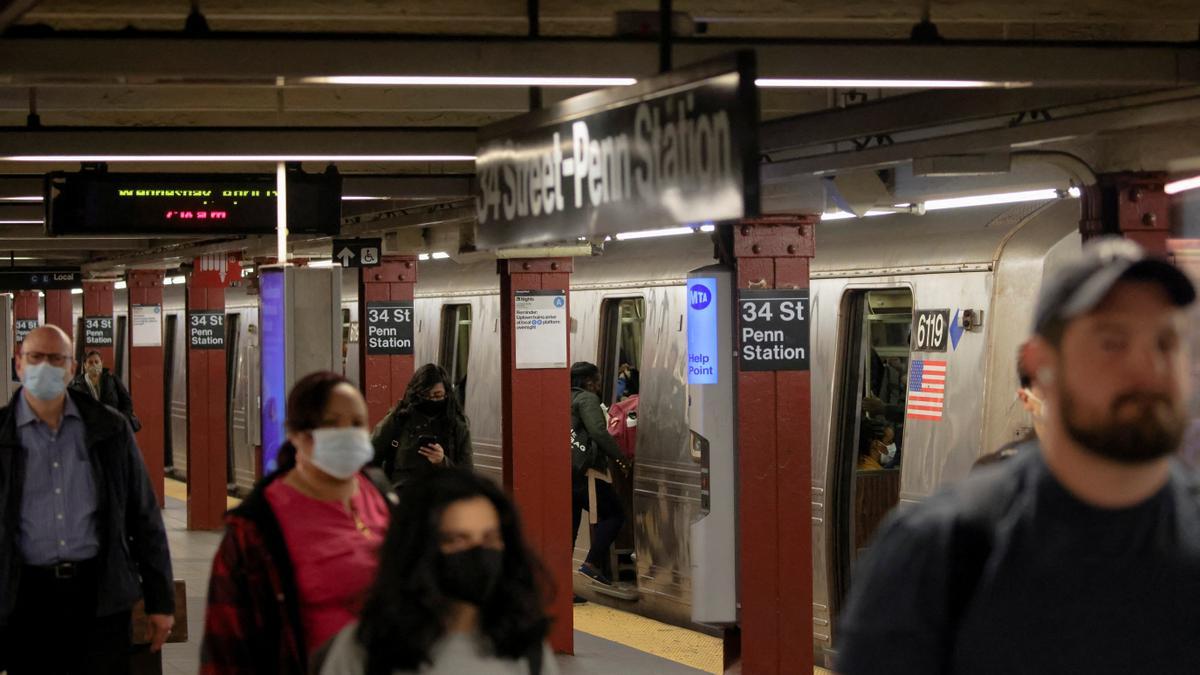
606 640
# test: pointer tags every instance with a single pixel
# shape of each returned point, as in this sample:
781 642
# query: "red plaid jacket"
252 624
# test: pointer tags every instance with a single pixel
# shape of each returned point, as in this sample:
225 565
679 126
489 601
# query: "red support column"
98 330
207 399
146 367
384 377
58 310
536 406
25 316
1132 205
775 468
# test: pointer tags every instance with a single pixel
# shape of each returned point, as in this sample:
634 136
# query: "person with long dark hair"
458 590
300 552
425 431
594 450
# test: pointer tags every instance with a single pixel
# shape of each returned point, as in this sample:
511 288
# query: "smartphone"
426 441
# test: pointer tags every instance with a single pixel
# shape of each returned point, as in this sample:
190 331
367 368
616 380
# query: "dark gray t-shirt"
1007 572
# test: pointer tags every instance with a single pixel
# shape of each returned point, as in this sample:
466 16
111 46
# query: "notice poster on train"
147 325
541 329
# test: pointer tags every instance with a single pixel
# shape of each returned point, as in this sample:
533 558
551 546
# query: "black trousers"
609 519
54 629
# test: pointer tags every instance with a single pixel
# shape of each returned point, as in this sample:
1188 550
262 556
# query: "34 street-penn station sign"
676 149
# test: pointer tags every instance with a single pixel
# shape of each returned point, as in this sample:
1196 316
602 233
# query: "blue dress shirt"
58 504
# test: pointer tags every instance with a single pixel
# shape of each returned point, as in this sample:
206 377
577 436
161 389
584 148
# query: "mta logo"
699 296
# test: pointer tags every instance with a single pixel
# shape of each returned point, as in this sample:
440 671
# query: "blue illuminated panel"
702 314
274 367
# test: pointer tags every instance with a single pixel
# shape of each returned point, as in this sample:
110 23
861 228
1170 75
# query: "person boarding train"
1081 554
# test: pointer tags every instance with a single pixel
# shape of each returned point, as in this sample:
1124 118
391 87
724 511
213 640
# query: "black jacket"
397 443
112 393
133 558
589 424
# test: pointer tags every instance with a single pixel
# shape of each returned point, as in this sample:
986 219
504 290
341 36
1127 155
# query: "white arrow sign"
345 255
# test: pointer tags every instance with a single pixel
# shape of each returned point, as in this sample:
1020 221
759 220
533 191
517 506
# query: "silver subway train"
971 273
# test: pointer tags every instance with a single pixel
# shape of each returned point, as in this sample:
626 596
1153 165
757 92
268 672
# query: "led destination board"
98 202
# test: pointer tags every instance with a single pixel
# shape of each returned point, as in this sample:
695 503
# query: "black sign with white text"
98 331
39 279
389 327
24 327
931 330
675 149
773 329
206 329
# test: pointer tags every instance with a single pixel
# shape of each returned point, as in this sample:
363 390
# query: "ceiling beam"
1182 107
265 57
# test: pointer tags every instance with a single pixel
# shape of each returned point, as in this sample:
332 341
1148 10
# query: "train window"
871 416
456 346
621 333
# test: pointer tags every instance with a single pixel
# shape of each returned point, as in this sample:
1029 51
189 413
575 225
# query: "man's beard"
1155 432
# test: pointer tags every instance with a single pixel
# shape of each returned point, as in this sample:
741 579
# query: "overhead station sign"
40 278
671 150
97 202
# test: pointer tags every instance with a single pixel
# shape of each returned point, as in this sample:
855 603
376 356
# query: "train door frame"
170 328
449 341
232 342
850 377
121 352
608 355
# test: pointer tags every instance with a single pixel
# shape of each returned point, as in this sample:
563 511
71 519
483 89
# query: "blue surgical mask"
341 451
44 381
890 454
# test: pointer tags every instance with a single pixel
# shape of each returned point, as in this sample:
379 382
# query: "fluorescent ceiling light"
29 198
827 83
178 280
423 256
647 234
439 255
119 286
470 81
845 215
322 263
988 200
1074 192
22 222
76 291
238 158
363 198
1182 185
708 228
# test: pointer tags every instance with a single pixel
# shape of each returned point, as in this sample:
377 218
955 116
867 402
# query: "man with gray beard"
1081 555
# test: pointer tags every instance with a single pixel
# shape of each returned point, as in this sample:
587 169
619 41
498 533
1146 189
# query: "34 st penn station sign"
674 149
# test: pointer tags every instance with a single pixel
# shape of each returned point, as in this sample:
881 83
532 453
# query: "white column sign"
147 325
541 329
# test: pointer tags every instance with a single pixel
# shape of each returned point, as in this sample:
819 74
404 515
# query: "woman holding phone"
425 431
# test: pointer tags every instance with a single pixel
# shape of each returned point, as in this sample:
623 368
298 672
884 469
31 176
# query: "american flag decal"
926 389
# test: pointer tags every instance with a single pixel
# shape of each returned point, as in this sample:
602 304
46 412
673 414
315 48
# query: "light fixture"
845 215
178 280
709 227
322 263
238 158
363 198
120 286
76 291
22 222
857 83
470 81
989 200
25 198
1074 192
440 255
648 234
423 256
1175 187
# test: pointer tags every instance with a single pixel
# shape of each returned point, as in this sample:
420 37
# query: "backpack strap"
380 480
534 655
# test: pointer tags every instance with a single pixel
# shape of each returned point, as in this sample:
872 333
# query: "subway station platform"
606 640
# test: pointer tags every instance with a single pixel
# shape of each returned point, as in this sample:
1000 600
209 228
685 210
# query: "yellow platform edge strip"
683 646
177 489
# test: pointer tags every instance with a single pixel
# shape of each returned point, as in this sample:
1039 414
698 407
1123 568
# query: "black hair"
405 611
1023 376
91 353
425 379
583 373
306 409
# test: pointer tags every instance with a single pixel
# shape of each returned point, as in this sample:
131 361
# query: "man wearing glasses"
81 536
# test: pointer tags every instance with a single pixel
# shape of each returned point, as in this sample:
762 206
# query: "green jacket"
397 449
587 419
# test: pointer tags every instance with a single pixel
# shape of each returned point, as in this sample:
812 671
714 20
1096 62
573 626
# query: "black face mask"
431 408
471 575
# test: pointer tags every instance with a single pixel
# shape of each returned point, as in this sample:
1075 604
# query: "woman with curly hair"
425 431
458 590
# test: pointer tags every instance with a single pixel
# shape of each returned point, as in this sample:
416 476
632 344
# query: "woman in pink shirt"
300 552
